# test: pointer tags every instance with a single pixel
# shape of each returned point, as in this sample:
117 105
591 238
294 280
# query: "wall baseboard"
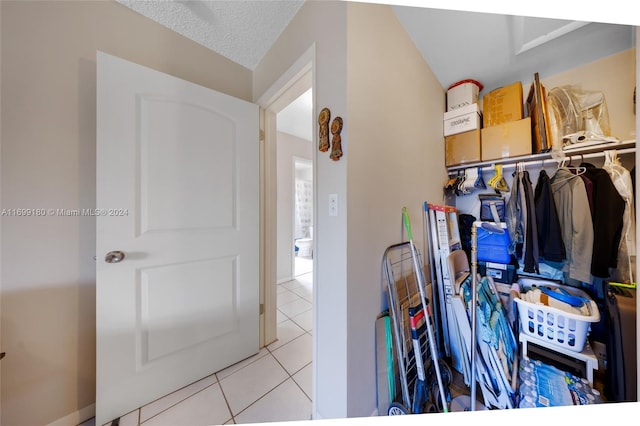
77 417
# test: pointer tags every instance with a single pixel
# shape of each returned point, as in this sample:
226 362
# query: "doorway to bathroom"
294 176
303 217
294 214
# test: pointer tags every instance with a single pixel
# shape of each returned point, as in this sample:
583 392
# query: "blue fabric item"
574 301
493 247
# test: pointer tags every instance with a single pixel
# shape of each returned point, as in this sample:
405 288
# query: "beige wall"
615 76
48 161
396 153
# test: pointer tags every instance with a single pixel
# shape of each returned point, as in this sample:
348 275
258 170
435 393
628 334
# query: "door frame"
292 83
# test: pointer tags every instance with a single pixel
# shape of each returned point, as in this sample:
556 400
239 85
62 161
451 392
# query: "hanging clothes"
515 217
576 224
531 253
550 243
621 178
607 221
521 221
588 185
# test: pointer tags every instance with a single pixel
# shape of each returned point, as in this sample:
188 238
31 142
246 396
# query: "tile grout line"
179 402
305 331
280 347
262 396
298 384
266 393
290 376
226 401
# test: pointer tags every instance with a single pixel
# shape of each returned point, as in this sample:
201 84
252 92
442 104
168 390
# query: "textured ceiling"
241 30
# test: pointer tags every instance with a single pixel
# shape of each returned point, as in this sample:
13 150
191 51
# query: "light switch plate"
333 204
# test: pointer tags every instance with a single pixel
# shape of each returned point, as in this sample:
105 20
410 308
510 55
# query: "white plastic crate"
553 325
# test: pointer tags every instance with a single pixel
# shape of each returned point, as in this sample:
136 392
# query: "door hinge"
2 354
261 135
262 309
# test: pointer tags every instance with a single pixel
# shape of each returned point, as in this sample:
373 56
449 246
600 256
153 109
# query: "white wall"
48 161
288 148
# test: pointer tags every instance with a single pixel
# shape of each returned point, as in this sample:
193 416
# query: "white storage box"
462 94
552 325
462 120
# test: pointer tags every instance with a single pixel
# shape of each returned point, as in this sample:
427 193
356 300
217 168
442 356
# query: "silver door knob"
114 257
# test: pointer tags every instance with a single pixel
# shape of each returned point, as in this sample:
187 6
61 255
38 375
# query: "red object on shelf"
477 83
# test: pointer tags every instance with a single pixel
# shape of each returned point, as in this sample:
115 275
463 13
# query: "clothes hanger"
470 178
579 170
459 184
573 171
479 183
501 183
496 177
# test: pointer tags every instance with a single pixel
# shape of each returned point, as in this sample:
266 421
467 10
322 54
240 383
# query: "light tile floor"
273 385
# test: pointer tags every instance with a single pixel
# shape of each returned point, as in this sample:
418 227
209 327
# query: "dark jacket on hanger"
532 252
550 244
607 222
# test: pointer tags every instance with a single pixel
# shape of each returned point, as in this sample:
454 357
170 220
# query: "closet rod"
539 159
569 158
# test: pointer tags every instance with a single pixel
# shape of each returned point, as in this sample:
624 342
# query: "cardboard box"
462 119
503 105
506 140
462 148
462 95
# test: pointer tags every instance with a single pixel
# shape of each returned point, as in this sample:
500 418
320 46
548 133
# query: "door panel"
177 192
186 182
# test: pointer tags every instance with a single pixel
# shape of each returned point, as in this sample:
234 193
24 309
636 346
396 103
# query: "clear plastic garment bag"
621 178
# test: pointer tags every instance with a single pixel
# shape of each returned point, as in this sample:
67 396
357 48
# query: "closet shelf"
621 148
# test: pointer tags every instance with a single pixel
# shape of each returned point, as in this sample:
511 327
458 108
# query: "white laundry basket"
553 325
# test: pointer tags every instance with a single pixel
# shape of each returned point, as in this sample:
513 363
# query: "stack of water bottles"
543 385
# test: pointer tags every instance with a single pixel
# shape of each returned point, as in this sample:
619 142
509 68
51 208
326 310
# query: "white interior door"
178 194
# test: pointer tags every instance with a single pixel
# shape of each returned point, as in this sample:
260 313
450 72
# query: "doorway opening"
294 171
303 218
294 188
289 302
294 220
